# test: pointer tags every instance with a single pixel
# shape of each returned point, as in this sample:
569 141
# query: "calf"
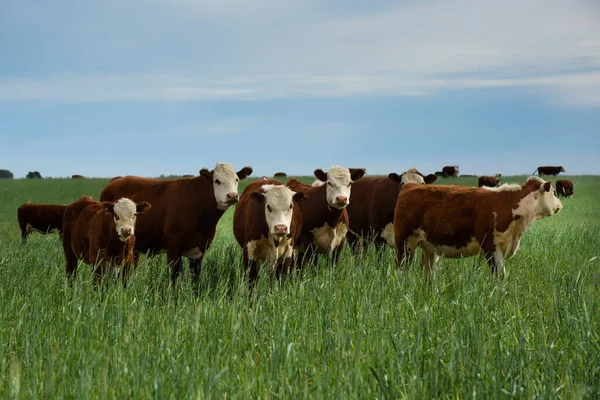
184 215
101 234
564 187
488 181
324 215
266 223
371 212
43 218
457 221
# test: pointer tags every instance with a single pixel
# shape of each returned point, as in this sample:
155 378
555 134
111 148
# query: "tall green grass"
360 329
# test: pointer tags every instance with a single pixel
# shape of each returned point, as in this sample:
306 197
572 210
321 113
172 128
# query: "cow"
42 218
100 233
371 211
317 182
184 215
549 170
458 221
488 181
266 223
77 176
564 187
439 173
188 176
450 171
324 215
280 175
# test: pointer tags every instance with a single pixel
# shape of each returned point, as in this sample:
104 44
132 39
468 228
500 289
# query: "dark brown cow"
488 181
100 234
450 171
43 218
324 215
371 211
76 176
280 175
550 170
564 187
457 221
188 176
266 223
185 212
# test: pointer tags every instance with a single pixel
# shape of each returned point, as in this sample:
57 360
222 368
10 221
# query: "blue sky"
150 87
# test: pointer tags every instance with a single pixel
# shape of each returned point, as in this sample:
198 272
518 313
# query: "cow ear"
142 207
299 196
206 174
258 196
395 177
429 179
244 172
109 206
320 175
546 186
357 173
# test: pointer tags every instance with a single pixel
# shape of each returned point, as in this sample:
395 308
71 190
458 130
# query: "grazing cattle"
184 215
457 221
43 218
450 171
564 187
438 173
549 170
266 223
76 176
488 181
498 175
324 214
371 211
280 175
101 234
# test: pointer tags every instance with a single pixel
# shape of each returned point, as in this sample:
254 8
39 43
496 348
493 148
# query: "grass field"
358 330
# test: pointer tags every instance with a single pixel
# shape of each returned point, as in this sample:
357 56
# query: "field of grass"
360 329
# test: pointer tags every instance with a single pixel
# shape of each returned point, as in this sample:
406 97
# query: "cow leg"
496 262
251 268
195 267
71 262
24 233
174 262
99 272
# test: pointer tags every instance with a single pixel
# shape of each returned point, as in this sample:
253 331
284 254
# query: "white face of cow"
546 202
279 206
225 184
338 181
411 177
124 214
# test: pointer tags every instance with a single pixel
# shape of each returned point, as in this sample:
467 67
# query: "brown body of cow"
450 171
564 187
251 231
371 211
488 181
457 221
183 219
43 218
280 175
89 234
550 170
76 176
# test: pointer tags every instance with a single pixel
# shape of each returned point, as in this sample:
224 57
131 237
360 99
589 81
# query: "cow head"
225 183
545 202
124 213
279 207
412 176
338 181
562 169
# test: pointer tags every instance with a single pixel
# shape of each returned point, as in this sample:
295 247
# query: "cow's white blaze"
225 182
388 234
338 186
411 177
327 238
269 251
124 216
279 206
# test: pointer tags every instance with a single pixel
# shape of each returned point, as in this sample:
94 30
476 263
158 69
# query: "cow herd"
285 226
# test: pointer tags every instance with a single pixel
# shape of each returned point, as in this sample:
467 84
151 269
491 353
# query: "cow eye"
269 208
236 180
218 182
291 206
116 217
350 184
329 183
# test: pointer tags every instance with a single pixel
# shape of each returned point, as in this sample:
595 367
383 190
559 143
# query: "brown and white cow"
458 221
450 171
324 215
266 223
371 212
100 234
488 181
42 218
550 170
564 187
185 212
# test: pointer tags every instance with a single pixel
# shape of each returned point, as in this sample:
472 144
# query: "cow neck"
513 198
322 210
204 195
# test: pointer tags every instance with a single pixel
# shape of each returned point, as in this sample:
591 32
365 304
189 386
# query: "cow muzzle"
340 202
125 233
280 230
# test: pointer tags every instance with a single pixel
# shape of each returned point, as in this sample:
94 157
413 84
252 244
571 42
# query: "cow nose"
341 199
281 228
126 230
232 197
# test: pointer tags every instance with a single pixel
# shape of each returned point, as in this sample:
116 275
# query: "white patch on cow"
388 235
317 183
193 254
265 250
124 216
419 237
279 205
505 187
225 181
326 238
338 185
411 177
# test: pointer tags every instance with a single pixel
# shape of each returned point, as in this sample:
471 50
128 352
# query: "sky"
149 87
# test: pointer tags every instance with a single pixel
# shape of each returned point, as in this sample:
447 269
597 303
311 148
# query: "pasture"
360 329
